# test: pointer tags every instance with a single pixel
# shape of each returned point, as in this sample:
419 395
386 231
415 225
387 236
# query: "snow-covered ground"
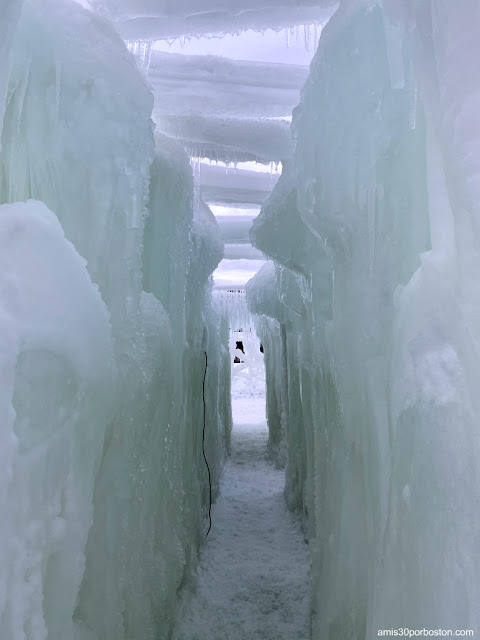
253 576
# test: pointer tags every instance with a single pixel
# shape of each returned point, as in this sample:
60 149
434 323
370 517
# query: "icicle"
148 57
287 36
196 163
142 50
316 35
306 36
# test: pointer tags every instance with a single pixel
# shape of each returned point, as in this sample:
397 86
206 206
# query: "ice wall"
102 394
373 230
52 149
57 367
10 11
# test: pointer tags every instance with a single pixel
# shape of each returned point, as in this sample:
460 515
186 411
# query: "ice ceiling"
226 91
153 20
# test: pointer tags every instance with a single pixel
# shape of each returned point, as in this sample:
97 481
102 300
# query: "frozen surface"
235 229
373 304
10 14
270 45
252 579
367 315
222 185
159 20
46 142
57 369
230 139
200 85
105 489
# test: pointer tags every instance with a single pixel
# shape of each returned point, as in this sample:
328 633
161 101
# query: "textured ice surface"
271 45
56 371
374 300
222 185
10 14
248 375
222 87
224 109
46 142
252 580
368 317
151 20
230 139
101 437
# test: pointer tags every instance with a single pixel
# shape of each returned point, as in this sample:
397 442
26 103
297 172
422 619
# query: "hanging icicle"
142 50
196 164
316 35
306 36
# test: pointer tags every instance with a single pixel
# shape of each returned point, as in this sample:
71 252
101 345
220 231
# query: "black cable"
203 447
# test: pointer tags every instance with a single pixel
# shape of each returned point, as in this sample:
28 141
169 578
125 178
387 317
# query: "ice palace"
239 319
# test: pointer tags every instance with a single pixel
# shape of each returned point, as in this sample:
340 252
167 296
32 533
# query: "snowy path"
252 581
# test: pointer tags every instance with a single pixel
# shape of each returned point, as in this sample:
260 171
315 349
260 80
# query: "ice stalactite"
308 34
142 50
196 165
248 375
232 303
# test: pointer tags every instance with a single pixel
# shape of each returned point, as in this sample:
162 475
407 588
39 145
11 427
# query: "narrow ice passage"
252 578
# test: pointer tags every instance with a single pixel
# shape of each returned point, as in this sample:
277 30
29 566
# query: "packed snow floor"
252 580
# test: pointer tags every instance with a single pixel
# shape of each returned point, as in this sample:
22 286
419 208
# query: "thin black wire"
203 447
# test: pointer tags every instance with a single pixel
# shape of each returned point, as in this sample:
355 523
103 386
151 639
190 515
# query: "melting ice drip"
142 50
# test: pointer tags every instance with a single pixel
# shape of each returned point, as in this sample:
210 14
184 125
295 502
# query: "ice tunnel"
239 296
